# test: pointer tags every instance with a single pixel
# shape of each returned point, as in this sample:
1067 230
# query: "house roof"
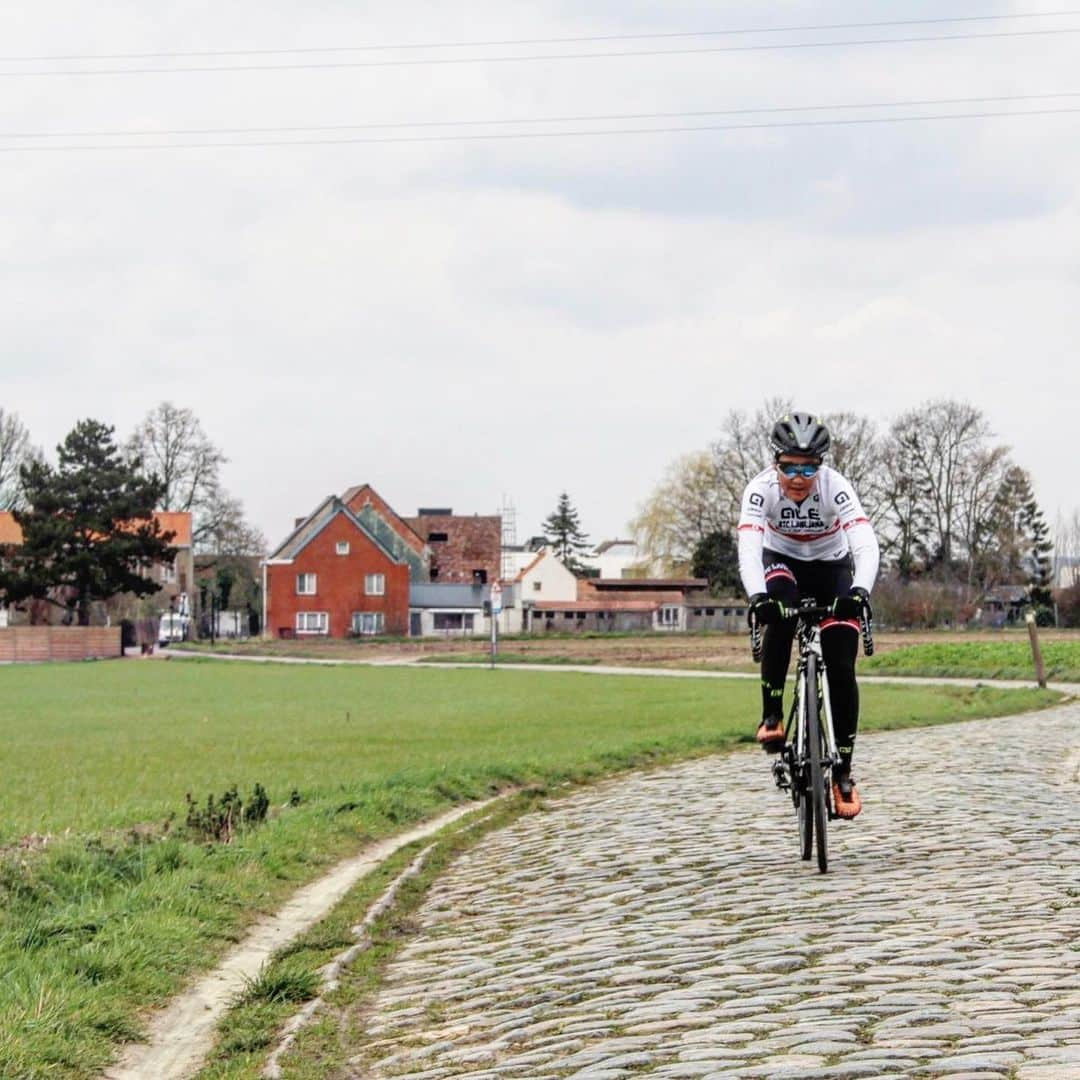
599 605
10 533
637 584
521 573
607 545
364 494
314 524
174 521
1009 594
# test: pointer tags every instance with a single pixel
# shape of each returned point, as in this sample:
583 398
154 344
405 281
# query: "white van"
172 628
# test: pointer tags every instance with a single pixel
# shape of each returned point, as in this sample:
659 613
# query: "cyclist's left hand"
853 605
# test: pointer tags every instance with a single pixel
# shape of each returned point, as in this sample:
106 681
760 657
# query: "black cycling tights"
788 580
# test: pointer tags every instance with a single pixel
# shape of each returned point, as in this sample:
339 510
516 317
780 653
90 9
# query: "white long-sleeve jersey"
828 524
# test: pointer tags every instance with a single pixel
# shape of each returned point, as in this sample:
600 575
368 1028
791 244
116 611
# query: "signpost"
496 608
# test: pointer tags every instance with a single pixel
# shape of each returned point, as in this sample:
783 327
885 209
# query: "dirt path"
182 1035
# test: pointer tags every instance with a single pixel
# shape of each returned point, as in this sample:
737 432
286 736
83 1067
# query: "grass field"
114 910
979 659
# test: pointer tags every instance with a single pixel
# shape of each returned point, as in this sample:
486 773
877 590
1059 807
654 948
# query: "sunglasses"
789 469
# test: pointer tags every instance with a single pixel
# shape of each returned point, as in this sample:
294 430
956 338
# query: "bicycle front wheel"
817 810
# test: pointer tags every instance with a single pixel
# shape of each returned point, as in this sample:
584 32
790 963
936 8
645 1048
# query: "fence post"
1036 652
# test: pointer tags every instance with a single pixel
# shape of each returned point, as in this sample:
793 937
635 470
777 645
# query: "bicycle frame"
805 764
809 637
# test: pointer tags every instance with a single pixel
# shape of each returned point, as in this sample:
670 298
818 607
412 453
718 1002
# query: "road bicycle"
804 767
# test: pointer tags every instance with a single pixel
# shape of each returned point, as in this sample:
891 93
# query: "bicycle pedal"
780 776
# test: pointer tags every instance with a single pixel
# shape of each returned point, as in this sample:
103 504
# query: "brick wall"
339 583
460 545
35 644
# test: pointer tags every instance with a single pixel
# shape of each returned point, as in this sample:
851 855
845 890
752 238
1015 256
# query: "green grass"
979 659
115 911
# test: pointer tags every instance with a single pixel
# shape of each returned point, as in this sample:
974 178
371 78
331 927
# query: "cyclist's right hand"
764 610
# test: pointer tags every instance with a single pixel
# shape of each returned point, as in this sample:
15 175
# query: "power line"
500 136
544 41
429 61
502 122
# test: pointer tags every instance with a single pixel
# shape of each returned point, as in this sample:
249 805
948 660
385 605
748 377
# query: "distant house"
176 579
616 559
464 549
334 576
435 569
1003 604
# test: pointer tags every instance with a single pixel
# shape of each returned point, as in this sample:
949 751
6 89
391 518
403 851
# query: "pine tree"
562 530
1038 556
89 528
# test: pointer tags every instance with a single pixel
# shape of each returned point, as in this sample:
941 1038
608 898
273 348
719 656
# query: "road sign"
496 598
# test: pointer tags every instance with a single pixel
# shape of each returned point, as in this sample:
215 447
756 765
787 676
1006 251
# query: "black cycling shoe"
770 734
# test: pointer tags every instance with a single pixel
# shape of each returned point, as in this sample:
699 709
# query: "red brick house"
335 576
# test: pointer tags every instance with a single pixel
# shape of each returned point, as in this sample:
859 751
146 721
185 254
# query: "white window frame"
302 581
168 573
304 619
670 616
368 623
342 547
374 584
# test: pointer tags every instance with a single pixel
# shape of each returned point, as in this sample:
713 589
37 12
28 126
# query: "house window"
368 622
343 547
710 611
568 614
374 584
168 573
580 615
312 622
537 586
479 577
305 584
453 620
669 616
437 538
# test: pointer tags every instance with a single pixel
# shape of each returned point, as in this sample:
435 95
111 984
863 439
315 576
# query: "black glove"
853 605
764 610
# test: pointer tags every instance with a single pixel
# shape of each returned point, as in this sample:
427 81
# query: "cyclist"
800 529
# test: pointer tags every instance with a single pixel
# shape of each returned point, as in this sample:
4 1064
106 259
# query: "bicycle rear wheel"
817 809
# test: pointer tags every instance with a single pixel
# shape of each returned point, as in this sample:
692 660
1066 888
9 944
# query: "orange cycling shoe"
770 734
846 801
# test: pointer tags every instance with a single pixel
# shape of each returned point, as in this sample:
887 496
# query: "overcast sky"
457 322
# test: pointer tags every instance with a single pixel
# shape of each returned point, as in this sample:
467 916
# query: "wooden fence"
35 644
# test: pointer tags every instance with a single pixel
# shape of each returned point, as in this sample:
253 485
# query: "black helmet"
799 433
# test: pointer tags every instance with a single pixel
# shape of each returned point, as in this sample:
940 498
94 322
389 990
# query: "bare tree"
16 450
983 475
858 452
1067 551
938 442
742 451
229 533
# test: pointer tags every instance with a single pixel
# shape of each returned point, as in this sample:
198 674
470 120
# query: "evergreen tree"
717 558
562 531
1038 556
88 529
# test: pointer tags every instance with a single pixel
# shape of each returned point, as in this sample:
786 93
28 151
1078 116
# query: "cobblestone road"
664 925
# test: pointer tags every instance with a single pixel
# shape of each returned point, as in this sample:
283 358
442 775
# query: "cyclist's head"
799 435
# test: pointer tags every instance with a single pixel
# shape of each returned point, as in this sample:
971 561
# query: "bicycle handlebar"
814 611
